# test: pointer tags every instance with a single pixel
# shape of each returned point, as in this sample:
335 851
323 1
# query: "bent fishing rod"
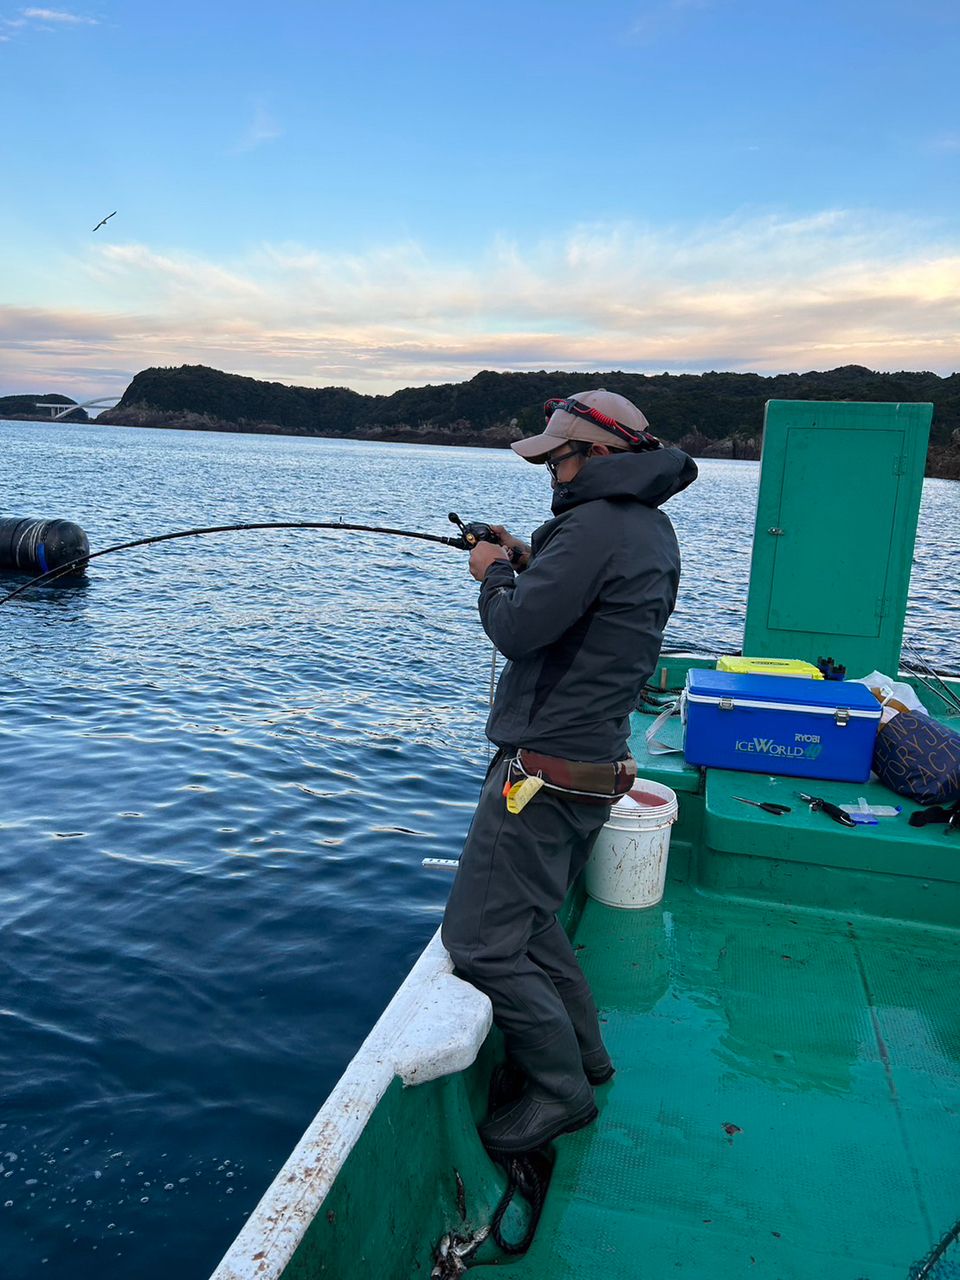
470 534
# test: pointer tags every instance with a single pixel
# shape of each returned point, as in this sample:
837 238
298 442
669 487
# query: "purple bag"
919 758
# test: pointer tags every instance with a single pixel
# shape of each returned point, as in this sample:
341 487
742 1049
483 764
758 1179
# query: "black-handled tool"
767 805
818 804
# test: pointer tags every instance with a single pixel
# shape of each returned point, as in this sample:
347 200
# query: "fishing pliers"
818 804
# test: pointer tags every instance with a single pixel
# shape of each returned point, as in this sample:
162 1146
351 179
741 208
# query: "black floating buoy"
37 546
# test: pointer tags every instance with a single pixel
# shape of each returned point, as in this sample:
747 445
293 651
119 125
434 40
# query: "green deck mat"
786 1105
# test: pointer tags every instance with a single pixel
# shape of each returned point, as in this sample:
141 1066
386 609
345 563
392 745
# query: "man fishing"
579 614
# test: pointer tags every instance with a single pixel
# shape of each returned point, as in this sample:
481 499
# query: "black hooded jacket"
582 626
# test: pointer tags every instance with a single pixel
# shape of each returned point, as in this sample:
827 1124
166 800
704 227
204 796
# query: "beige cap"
565 426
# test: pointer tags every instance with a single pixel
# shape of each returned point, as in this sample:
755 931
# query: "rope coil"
528 1174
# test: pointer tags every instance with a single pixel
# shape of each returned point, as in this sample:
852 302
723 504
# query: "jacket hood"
650 478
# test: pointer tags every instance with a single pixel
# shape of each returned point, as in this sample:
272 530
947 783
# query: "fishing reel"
471 534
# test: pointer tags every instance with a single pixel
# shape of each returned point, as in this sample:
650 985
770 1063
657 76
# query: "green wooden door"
819 569
836 520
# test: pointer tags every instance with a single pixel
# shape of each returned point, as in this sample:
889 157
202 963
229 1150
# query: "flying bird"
103 221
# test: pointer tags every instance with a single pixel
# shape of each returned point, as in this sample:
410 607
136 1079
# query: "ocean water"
221 763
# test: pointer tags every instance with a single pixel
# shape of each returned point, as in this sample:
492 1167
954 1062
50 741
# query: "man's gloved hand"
482 557
519 552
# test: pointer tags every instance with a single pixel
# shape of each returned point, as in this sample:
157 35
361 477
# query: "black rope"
952 1236
528 1174
63 569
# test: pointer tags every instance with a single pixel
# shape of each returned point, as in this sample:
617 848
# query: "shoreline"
943 461
709 415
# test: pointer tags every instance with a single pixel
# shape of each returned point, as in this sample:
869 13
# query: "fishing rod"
918 665
470 534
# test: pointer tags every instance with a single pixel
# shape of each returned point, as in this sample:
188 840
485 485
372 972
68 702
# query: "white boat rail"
433 1026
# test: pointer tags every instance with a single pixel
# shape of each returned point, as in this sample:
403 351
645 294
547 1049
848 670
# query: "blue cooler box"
779 724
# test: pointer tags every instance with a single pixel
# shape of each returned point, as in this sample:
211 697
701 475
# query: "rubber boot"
598 1068
557 1098
532 1122
582 1011
508 1082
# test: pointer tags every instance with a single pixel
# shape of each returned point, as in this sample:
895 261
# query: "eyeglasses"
639 440
553 460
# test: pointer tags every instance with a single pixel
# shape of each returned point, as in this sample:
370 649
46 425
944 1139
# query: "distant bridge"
56 411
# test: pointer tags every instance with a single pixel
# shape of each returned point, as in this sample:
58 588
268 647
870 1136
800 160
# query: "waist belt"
579 779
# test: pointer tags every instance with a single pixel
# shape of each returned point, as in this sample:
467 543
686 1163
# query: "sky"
379 195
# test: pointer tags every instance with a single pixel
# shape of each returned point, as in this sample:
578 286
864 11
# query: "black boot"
582 1012
533 1121
508 1081
598 1068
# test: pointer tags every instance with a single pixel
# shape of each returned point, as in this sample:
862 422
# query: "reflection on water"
222 763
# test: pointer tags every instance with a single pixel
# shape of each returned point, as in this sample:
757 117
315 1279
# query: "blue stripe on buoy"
41 558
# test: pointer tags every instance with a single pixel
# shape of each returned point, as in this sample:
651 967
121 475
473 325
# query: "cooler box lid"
781 693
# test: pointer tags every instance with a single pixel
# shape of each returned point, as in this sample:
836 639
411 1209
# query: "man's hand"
519 552
482 557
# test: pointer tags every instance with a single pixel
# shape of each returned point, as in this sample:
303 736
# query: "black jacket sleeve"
526 613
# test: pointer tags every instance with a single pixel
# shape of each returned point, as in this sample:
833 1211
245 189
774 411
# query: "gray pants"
502 931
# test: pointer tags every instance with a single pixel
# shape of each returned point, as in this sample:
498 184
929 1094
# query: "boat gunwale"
275 1229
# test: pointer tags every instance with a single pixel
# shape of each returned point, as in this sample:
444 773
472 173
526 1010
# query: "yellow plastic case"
770 667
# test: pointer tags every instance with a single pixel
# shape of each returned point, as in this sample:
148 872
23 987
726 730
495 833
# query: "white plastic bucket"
628 865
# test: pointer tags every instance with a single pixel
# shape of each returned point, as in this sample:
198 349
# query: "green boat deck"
787 1037
787 1101
786 1030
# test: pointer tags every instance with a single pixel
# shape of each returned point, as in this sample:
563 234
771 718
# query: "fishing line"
468 538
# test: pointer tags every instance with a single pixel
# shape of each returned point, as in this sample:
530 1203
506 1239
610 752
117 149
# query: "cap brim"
536 448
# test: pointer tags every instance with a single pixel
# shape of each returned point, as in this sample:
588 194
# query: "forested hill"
710 414
26 407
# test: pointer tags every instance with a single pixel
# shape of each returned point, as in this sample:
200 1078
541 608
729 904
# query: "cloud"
766 293
263 128
40 19
59 15
945 142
